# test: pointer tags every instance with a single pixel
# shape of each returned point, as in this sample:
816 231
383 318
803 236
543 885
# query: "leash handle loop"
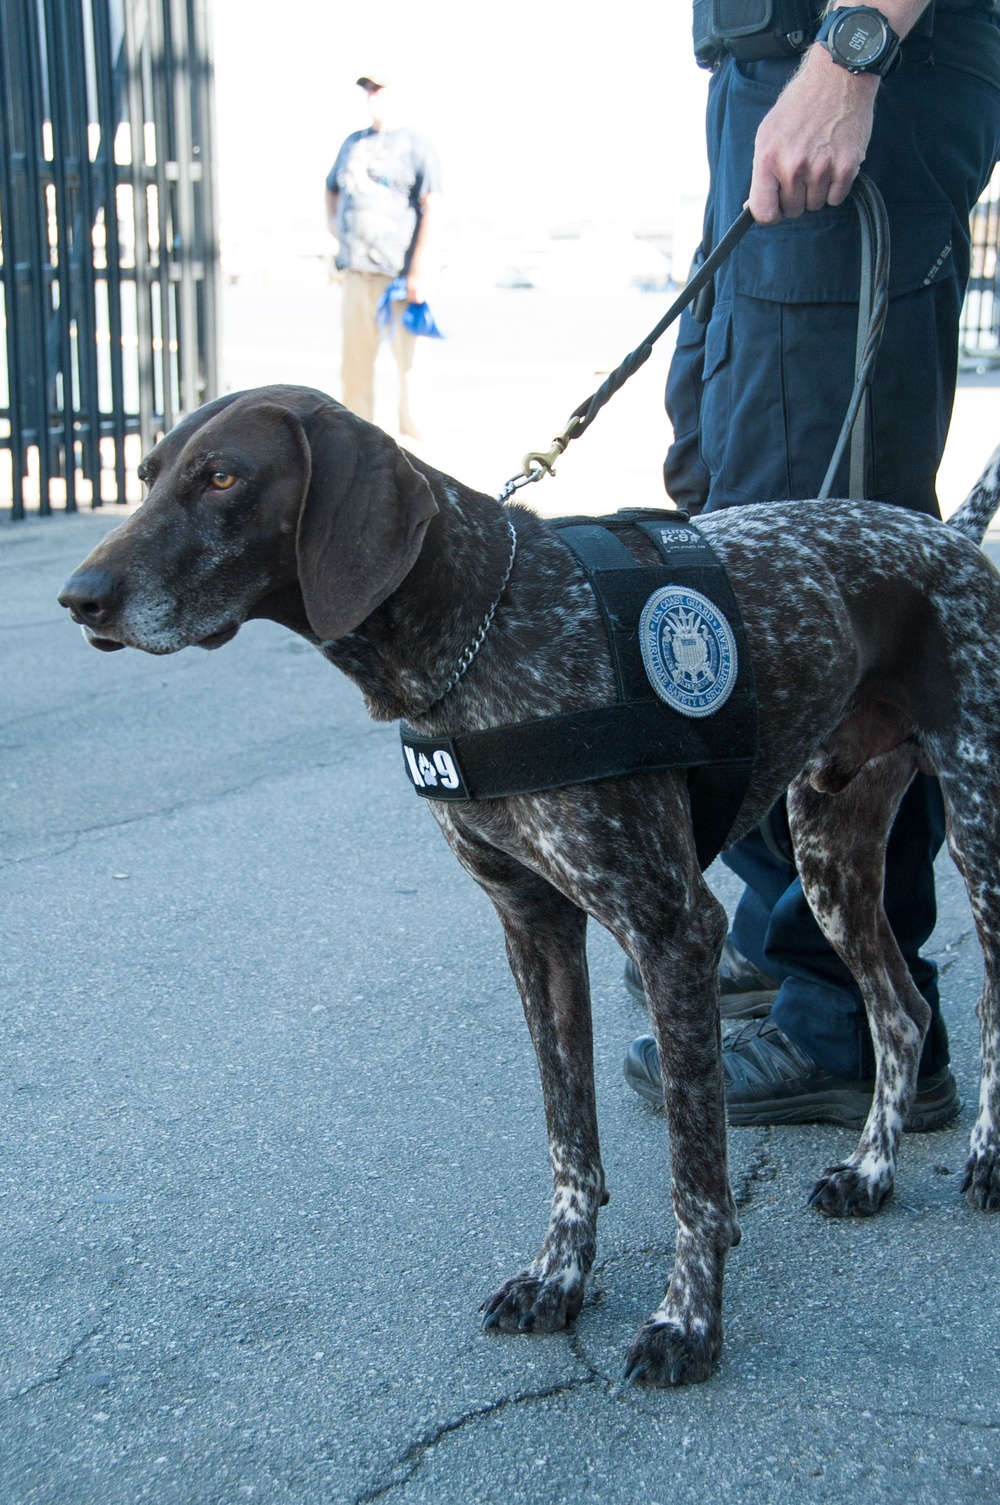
873 305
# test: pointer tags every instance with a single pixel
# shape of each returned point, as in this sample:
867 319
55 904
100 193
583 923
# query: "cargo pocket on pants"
715 399
684 474
786 366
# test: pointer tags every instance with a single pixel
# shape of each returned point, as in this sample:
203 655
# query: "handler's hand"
812 143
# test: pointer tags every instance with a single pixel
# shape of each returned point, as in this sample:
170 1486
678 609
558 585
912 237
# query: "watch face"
859 39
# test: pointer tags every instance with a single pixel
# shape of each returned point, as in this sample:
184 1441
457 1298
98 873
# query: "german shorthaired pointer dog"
873 635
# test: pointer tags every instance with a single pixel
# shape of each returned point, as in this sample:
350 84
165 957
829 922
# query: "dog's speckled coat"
873 634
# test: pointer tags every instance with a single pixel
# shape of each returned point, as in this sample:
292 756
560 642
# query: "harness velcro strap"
575 747
640 732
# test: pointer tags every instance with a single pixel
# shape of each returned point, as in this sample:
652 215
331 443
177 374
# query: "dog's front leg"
546 938
546 947
682 1340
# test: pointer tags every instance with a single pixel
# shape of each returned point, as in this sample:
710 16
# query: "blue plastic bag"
416 317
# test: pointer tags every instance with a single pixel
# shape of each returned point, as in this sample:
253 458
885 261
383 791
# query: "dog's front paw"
530 1303
666 1353
844 1191
981 1183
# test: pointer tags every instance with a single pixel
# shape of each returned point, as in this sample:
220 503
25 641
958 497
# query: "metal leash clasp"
538 463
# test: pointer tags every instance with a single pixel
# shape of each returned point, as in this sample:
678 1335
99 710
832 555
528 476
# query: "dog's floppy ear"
362 523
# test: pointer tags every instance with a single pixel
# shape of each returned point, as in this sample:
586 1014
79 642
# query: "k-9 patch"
433 766
688 650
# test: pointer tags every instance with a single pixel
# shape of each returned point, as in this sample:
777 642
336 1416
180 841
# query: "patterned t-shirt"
381 177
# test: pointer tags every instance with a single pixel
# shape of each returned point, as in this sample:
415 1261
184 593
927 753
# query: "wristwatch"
860 39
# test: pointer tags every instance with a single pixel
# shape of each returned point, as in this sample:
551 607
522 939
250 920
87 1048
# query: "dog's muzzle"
91 597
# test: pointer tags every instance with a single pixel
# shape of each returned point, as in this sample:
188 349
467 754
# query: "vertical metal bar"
182 251
160 52
9 230
156 365
207 250
30 174
106 177
82 269
27 223
135 46
61 415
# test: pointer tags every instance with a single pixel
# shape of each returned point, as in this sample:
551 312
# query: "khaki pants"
361 293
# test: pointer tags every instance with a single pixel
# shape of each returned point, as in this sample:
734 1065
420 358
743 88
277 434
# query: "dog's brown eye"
222 480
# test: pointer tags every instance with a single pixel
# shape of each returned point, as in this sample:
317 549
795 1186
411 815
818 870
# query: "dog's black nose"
91 596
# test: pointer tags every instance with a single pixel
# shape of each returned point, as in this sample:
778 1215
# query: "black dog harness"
684 682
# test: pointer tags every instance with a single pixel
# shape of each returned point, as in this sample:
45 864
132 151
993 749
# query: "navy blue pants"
757 396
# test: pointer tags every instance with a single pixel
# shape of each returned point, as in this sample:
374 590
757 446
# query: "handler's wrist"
828 75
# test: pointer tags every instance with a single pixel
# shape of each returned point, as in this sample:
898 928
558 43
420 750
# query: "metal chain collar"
473 648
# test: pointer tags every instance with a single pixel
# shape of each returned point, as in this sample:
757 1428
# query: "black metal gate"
107 236
981 314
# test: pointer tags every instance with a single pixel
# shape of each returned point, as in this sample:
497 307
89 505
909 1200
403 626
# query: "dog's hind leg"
546 947
839 845
972 798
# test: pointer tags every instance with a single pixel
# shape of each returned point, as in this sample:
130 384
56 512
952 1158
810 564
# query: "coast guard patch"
688 650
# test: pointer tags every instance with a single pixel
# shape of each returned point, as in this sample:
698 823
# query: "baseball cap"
380 79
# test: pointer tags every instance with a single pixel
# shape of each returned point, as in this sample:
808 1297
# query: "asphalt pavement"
272 1131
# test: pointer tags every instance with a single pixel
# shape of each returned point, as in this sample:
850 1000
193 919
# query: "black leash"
872 305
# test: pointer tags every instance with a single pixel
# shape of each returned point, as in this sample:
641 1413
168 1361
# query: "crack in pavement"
116 1281
134 820
869 1413
413 1458
953 1421
949 955
762 1168
61 1367
576 1348
115 693
186 690
664 1251
202 801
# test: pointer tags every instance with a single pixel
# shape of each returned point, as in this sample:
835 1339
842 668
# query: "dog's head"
249 494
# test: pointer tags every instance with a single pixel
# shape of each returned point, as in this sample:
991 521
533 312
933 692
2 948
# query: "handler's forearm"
810 146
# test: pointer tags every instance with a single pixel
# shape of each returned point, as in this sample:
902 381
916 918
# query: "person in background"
384 206
757 392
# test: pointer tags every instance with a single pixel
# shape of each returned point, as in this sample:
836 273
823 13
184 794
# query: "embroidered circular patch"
688 649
